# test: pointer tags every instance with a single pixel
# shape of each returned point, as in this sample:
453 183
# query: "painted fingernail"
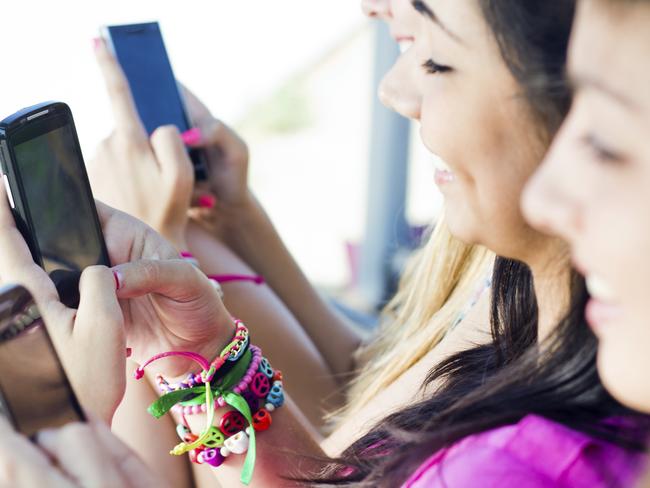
129 352
207 201
119 279
192 136
97 42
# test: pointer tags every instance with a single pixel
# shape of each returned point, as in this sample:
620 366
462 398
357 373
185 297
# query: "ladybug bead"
277 376
262 420
231 423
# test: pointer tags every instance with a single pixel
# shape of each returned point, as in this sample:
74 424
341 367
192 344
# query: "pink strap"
257 279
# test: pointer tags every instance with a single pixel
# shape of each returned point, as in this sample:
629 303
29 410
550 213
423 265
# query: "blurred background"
346 182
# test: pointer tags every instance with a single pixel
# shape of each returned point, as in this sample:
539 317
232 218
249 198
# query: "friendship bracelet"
250 386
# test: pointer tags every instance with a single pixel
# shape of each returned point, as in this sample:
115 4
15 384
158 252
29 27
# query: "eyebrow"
583 81
424 9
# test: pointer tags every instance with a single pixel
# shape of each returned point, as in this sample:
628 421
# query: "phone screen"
60 207
35 390
141 52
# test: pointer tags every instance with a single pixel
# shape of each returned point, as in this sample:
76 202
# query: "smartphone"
50 196
140 50
34 391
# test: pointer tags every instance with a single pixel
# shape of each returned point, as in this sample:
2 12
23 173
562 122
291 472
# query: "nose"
377 9
548 202
398 91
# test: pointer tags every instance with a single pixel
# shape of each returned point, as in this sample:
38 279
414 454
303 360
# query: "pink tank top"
534 453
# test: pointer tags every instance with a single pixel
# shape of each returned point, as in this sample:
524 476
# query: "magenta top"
534 453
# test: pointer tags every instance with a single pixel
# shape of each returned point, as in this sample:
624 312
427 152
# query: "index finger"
119 92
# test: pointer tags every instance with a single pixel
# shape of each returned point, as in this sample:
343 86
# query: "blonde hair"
436 286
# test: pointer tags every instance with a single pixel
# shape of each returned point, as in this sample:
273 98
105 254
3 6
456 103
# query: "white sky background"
230 52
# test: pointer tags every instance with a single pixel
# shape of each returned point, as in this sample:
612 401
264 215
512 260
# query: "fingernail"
207 201
119 279
129 352
97 42
192 136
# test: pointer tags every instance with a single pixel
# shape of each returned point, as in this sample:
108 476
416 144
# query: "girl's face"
454 80
399 15
594 187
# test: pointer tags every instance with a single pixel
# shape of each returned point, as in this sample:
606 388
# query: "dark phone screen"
35 391
62 214
141 52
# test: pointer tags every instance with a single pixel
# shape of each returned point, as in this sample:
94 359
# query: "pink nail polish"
119 279
207 201
192 136
97 42
129 352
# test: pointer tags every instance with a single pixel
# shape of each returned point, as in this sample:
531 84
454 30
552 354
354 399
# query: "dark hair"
499 383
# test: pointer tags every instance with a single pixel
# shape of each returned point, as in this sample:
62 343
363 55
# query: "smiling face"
474 116
594 187
399 15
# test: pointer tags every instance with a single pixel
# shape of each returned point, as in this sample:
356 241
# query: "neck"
551 277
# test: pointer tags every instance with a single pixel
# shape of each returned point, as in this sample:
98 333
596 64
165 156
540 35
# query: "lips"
444 174
404 42
602 310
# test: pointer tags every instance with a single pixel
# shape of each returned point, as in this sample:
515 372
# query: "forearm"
249 232
150 438
312 384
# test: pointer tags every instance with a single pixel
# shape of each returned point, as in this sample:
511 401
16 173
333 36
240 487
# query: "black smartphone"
140 50
50 196
34 391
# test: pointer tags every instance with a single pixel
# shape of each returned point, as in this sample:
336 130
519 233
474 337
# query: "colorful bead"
182 431
265 367
212 457
194 455
270 407
231 423
215 438
237 444
189 438
276 395
262 420
277 376
252 400
261 385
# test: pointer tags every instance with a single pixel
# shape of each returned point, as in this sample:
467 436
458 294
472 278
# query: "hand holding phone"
47 184
140 51
150 178
89 341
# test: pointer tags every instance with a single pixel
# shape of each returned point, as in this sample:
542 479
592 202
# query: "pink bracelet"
225 278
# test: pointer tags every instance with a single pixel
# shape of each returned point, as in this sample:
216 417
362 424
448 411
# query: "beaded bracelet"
250 386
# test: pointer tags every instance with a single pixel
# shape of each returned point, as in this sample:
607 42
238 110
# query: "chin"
461 225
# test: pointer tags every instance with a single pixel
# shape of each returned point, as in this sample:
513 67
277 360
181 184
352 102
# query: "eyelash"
603 154
431 67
